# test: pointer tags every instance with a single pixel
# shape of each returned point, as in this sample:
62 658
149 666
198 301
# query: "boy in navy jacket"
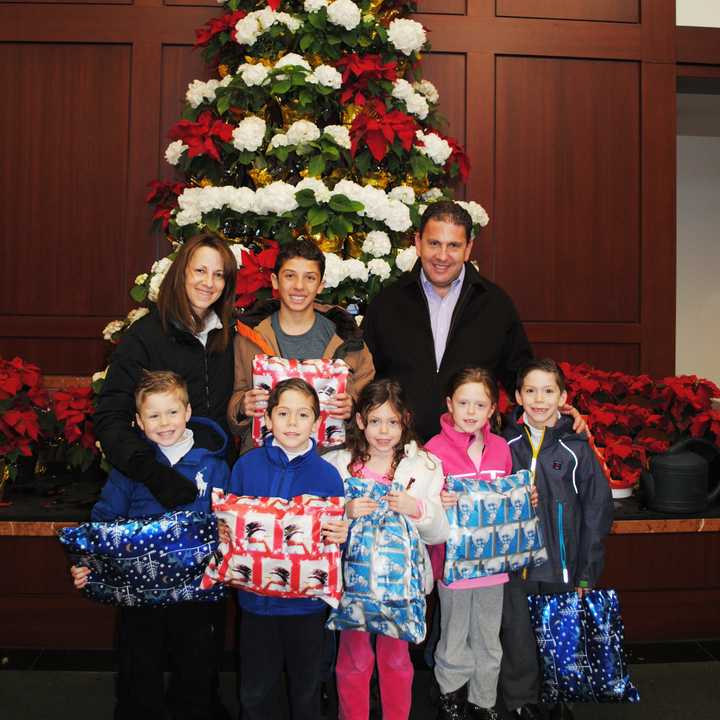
194 447
277 633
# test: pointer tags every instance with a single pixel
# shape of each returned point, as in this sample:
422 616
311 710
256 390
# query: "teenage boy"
195 447
277 633
296 327
575 510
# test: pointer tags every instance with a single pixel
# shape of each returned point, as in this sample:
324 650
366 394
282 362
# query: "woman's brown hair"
372 396
484 378
173 303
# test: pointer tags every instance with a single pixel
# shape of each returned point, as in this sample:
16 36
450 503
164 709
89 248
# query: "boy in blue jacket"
194 447
278 633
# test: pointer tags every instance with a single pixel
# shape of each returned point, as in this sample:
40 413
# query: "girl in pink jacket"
469 650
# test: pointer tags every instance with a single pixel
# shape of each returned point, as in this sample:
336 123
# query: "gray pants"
469 650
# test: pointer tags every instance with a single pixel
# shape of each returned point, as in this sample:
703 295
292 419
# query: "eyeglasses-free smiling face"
383 429
298 282
442 249
163 418
470 407
204 279
541 398
292 421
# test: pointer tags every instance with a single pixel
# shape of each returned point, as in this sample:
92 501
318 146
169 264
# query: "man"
441 317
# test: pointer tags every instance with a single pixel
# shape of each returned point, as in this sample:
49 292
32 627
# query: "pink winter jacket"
451 447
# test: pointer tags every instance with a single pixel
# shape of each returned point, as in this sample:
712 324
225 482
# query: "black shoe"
529 711
452 705
561 711
475 712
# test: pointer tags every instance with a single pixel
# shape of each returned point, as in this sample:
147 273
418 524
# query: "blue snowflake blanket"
146 561
581 648
493 528
383 567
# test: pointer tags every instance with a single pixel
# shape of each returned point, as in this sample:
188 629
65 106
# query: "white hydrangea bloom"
407 36
344 13
302 131
426 88
432 194
161 266
421 209
356 269
154 289
248 30
403 193
476 211
397 216
339 133
375 202
111 328
433 146
277 197
377 243
335 271
249 134
253 75
326 75
417 105
319 188
406 259
174 151
289 21
381 268
241 200
293 59
198 92
350 190
314 5
279 140
136 314
402 89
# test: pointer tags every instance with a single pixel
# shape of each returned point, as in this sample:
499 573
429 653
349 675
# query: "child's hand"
254 402
448 499
341 406
579 424
80 576
359 507
224 532
401 501
335 531
534 497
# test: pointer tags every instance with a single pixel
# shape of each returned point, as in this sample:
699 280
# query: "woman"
189 331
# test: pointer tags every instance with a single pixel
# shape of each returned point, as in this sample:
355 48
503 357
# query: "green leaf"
343 204
316 216
305 198
281 86
316 166
306 41
282 153
138 293
318 19
331 151
340 226
419 166
223 104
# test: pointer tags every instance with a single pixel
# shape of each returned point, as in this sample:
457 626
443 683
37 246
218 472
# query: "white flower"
397 216
407 36
350 190
241 200
402 89
326 75
433 194
417 105
136 314
377 243
253 74
189 216
174 151
380 268
249 134
421 209
293 59
279 140
426 88
111 328
198 92
356 269
335 271
161 266
290 22
247 30
314 5
375 202
237 250
339 133
277 197
319 188
344 13
433 146
140 279
302 131
406 259
403 193
476 211
154 290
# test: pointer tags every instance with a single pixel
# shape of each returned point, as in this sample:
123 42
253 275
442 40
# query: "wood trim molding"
697 45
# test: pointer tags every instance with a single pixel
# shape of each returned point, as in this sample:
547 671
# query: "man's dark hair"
299 385
447 211
546 365
305 249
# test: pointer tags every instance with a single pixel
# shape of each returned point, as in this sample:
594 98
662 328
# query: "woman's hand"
335 531
341 406
254 402
80 576
359 507
224 532
534 497
402 502
448 499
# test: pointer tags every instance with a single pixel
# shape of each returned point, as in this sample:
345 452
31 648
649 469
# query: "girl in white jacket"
381 447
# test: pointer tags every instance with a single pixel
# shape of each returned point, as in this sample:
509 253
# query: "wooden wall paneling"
605 356
657 276
607 10
445 7
567 183
698 45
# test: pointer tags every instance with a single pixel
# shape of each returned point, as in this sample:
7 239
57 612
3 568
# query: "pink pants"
354 669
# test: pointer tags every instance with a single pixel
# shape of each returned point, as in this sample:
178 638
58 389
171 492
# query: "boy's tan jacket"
345 344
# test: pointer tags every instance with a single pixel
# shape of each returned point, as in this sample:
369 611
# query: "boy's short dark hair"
299 385
156 382
546 365
447 211
305 249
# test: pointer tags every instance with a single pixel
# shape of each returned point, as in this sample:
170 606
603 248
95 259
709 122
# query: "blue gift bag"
581 648
146 561
493 528
383 570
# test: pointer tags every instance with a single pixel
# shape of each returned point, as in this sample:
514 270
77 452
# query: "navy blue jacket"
267 472
575 509
204 464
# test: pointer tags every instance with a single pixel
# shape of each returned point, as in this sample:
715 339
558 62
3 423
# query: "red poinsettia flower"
217 25
198 136
458 157
164 196
254 273
378 129
73 408
705 424
23 422
358 70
